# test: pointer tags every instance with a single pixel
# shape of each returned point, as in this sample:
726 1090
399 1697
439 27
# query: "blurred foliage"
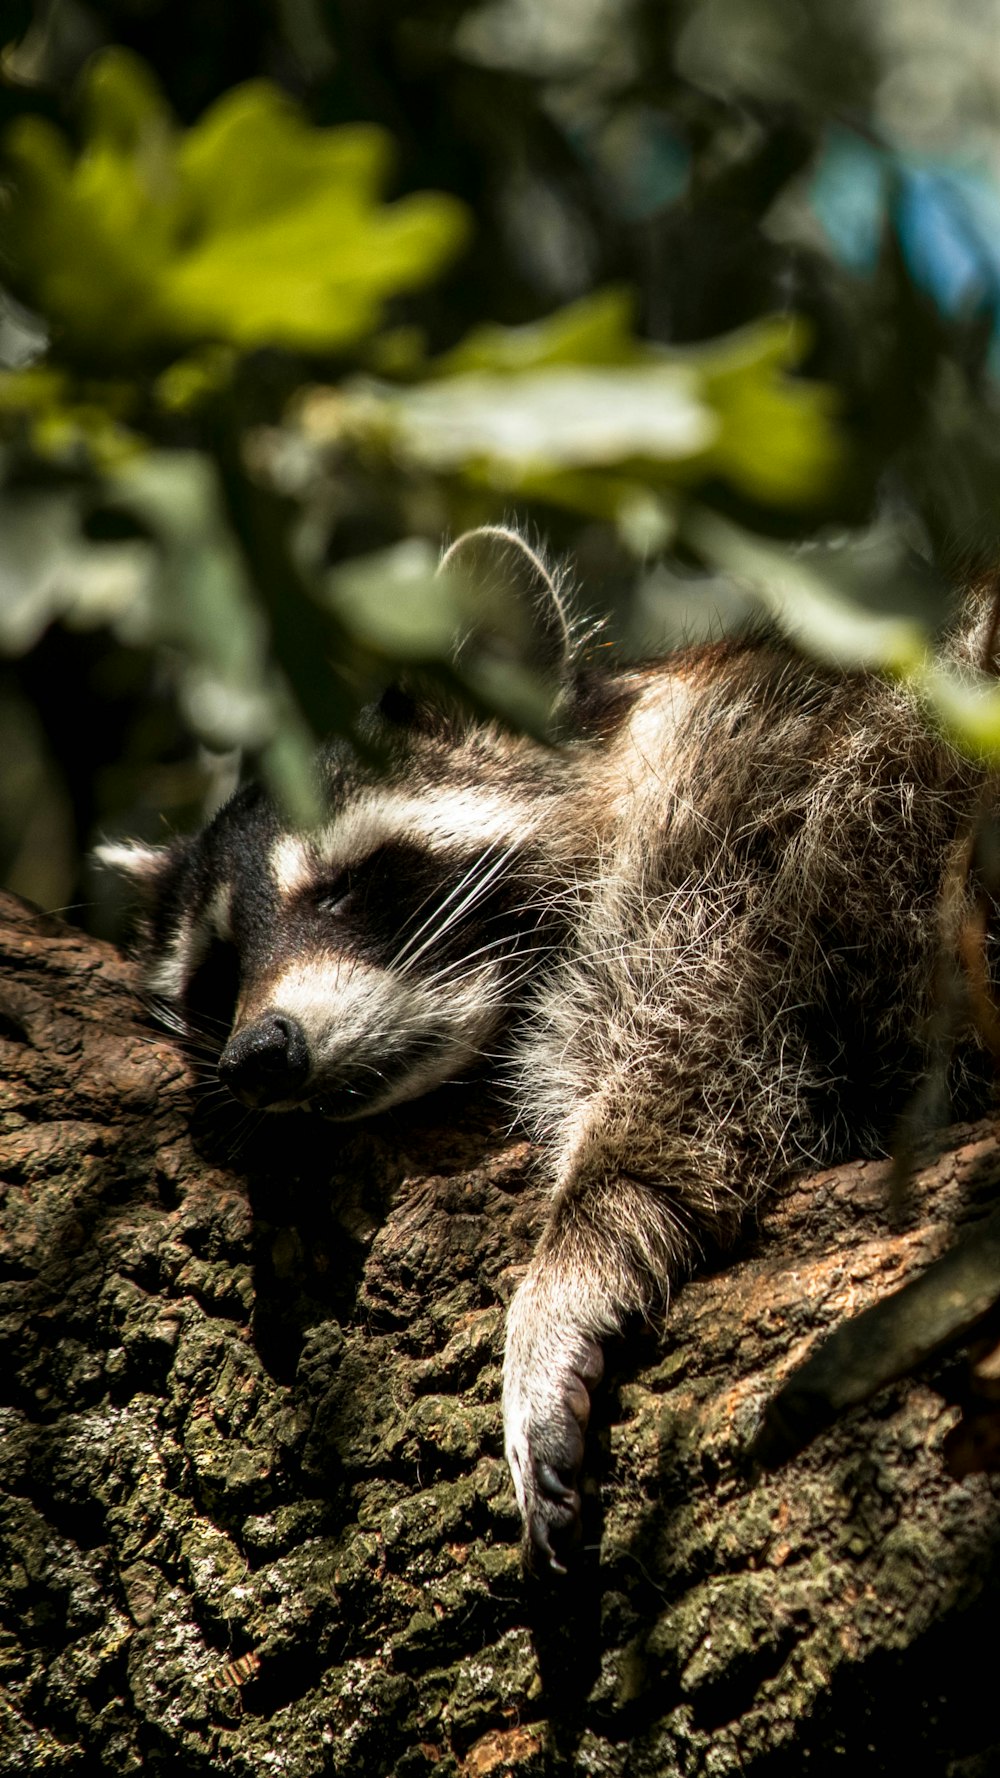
251 228
707 295
578 412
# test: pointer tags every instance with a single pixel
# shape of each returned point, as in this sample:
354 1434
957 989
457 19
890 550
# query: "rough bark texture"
254 1517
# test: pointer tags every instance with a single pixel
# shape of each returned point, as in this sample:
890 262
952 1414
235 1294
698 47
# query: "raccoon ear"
143 865
516 609
505 572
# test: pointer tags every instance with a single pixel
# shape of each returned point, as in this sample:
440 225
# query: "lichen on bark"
254 1516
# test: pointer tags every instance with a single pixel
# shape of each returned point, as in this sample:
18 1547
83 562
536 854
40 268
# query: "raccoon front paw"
549 1374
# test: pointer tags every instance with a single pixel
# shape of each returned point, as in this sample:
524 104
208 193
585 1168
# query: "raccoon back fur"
703 933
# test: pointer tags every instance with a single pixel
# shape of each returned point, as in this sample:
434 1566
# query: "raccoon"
700 935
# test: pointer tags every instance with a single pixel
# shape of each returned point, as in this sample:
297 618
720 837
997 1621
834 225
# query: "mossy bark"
254 1515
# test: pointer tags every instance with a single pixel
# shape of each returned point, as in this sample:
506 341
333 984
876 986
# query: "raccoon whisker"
480 877
200 1054
448 971
170 1015
248 1125
527 968
369 1068
437 908
474 889
492 857
241 1141
155 1040
211 1087
196 1059
471 888
501 991
211 1026
196 1050
493 996
459 976
404 956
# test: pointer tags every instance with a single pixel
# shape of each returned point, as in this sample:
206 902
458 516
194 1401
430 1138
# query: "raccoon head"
359 964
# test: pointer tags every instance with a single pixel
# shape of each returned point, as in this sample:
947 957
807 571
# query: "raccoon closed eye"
376 872
335 896
382 897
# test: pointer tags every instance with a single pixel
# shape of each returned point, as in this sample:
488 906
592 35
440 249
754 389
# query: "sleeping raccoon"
703 930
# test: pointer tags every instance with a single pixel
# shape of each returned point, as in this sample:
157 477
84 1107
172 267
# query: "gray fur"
703 935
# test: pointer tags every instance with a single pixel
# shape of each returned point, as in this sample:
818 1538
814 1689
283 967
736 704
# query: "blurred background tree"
709 295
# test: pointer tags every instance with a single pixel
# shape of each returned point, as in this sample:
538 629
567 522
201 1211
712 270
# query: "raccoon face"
361 964
388 955
354 967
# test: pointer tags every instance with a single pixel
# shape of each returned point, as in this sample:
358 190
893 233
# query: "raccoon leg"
611 1249
669 1083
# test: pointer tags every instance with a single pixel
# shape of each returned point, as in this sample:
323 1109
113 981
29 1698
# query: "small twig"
910 1327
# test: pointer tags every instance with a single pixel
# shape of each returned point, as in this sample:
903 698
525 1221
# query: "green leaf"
70 421
203 611
559 416
777 437
394 602
578 411
598 329
966 707
860 605
50 571
292 215
204 604
252 228
124 111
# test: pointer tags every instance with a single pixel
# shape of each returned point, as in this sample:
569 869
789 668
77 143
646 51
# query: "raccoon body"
700 937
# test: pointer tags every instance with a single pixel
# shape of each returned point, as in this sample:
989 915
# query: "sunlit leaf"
555 417
252 227
292 215
777 436
578 411
966 706
599 329
853 606
189 380
70 420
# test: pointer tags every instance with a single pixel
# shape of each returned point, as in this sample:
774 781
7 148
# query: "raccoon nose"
265 1062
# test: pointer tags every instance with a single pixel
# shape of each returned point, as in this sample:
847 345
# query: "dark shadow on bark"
253 1498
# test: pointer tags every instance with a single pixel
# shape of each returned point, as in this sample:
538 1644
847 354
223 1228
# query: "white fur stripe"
440 820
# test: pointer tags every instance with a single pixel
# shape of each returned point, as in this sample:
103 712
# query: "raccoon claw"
547 1410
553 1526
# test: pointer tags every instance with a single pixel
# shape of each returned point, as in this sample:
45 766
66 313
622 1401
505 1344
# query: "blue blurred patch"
946 219
848 194
949 229
657 171
645 163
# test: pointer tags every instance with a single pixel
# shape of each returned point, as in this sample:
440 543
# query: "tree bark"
254 1515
